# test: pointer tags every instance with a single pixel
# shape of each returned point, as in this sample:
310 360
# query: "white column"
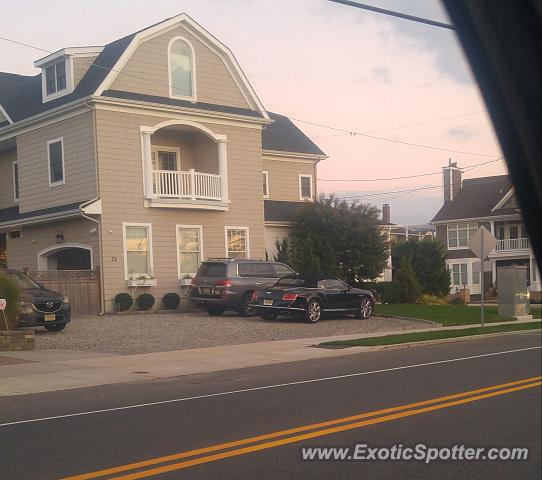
147 164
492 227
223 169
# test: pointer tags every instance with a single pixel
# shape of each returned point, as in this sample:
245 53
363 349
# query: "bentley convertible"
310 298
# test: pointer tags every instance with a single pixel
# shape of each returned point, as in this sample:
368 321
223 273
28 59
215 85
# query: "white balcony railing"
186 184
512 244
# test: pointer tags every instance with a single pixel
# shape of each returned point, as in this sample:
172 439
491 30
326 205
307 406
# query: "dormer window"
182 69
55 77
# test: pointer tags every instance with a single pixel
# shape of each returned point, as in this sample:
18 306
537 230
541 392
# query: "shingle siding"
146 72
79 164
121 189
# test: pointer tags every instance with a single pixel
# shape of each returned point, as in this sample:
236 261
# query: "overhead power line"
355 133
393 13
410 190
467 168
97 65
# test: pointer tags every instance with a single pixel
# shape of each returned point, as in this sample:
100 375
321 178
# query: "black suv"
39 306
227 283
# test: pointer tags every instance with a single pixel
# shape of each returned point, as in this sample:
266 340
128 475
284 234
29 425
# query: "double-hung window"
237 242
460 234
189 249
55 154
459 274
16 181
305 187
138 250
55 77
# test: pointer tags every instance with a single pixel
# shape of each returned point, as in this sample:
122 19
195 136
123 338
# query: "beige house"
141 158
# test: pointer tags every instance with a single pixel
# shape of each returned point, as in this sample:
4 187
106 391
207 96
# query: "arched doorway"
68 256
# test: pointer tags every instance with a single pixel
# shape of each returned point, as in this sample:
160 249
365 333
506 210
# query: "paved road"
505 416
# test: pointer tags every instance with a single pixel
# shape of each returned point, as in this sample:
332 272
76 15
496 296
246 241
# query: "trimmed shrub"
456 300
123 301
10 292
145 301
171 301
409 287
426 299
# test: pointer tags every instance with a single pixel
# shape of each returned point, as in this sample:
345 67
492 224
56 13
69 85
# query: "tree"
409 287
428 261
334 237
282 250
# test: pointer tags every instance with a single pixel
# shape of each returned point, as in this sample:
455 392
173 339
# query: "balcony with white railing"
202 183
188 184
512 244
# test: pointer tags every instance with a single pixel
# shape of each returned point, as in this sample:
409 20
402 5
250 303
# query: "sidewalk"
28 372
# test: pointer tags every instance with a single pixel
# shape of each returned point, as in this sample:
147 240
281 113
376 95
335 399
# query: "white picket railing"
186 184
512 244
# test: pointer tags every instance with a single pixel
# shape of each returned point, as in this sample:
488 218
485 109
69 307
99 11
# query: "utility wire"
178 90
393 13
468 168
355 133
427 187
349 132
429 122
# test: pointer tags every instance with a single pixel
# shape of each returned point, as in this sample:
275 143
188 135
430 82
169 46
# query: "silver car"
227 283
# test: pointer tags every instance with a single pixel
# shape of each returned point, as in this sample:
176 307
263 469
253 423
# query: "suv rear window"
255 269
212 269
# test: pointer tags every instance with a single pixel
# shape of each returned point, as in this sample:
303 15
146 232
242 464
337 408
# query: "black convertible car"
310 297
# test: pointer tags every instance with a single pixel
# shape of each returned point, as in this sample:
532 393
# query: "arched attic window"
182 75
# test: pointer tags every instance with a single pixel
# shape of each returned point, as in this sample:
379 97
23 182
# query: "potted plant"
142 281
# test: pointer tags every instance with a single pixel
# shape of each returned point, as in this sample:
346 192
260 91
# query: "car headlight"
65 299
26 308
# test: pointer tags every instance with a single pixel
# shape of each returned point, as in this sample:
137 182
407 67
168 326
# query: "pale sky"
317 61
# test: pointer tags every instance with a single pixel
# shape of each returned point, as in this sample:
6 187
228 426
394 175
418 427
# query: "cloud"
382 73
443 44
460 133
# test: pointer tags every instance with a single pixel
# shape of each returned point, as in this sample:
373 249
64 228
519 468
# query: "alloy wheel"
315 311
366 308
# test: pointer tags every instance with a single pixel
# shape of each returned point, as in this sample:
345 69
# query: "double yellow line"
221 451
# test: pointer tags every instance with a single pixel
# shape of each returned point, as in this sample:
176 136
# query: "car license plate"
206 290
50 317
268 302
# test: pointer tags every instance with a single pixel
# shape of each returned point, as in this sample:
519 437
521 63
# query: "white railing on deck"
186 184
512 244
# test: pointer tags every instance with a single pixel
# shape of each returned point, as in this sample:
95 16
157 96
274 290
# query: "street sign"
482 243
3 304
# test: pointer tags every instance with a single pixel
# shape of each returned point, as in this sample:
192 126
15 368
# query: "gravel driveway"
130 334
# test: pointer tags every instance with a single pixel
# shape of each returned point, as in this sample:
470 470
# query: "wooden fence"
82 287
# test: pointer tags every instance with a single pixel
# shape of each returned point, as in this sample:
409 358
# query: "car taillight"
289 297
254 295
223 283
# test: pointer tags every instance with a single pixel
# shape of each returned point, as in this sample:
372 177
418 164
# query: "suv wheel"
246 309
55 328
214 310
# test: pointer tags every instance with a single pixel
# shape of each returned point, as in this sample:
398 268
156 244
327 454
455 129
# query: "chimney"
386 214
451 180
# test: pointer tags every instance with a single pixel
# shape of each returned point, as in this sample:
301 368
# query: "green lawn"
436 335
446 315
